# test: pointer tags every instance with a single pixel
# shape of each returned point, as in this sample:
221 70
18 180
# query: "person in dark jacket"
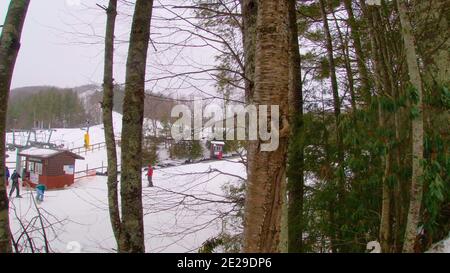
7 175
150 175
15 184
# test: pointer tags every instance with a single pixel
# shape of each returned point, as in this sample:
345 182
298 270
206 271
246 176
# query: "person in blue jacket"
40 190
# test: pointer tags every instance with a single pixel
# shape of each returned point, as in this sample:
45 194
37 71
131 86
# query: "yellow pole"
86 141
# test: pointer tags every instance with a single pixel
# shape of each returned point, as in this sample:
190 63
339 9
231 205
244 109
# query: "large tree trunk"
417 131
133 114
337 114
266 171
9 49
296 154
107 106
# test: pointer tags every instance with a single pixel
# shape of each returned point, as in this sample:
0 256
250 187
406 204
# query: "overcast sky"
62 45
47 55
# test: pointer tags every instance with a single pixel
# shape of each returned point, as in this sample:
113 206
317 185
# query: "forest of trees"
52 108
368 154
363 91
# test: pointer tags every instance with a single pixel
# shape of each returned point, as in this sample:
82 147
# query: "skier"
40 189
7 175
150 175
15 184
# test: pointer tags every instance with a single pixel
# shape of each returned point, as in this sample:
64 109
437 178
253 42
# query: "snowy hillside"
72 138
185 208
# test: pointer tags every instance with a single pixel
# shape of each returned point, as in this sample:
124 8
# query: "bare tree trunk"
9 49
132 230
385 221
296 154
417 131
107 106
360 57
249 14
385 87
266 171
399 192
337 114
331 205
348 66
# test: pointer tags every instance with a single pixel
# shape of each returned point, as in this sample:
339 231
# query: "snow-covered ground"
184 209
441 247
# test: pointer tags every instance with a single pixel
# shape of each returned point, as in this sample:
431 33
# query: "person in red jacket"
150 175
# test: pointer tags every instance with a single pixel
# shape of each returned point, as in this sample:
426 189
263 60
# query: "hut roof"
217 142
46 153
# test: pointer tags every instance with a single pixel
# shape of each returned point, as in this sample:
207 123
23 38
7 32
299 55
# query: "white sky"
46 57
62 45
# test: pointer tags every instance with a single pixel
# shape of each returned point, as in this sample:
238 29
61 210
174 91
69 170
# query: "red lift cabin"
217 149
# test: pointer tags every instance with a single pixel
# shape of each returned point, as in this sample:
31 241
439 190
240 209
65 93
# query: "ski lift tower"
33 141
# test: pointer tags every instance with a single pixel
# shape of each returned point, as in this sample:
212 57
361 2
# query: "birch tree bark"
266 171
9 49
132 228
417 130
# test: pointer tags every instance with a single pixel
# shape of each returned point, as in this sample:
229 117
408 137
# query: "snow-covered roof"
45 153
39 152
217 142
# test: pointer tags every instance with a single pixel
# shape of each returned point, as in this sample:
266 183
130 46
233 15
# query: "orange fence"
89 172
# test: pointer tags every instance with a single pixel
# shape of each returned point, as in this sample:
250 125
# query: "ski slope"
184 209
180 211
70 138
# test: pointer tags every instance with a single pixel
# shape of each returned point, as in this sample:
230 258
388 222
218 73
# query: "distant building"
217 149
53 168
